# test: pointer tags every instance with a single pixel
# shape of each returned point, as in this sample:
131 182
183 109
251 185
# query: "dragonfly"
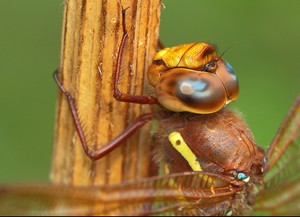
235 179
186 78
206 157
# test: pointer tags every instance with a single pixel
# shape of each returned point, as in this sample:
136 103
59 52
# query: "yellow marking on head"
179 144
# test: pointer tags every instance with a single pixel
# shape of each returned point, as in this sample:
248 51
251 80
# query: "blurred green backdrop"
263 37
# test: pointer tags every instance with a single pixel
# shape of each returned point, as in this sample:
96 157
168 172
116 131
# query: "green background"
262 36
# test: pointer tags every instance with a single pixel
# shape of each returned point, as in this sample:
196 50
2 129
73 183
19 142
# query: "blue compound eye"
243 177
229 68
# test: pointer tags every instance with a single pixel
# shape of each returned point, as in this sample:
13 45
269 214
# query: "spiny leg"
104 150
118 95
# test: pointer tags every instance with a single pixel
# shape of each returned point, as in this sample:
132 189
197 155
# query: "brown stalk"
92 32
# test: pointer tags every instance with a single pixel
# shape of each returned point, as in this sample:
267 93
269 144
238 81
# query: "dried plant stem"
92 33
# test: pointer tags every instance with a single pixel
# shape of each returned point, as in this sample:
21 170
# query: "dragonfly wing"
279 201
283 156
281 195
176 193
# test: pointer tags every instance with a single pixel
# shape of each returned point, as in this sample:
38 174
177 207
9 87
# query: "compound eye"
229 79
201 91
230 69
243 177
190 90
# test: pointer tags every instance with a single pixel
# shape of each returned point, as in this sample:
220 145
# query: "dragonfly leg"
118 95
160 45
104 150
